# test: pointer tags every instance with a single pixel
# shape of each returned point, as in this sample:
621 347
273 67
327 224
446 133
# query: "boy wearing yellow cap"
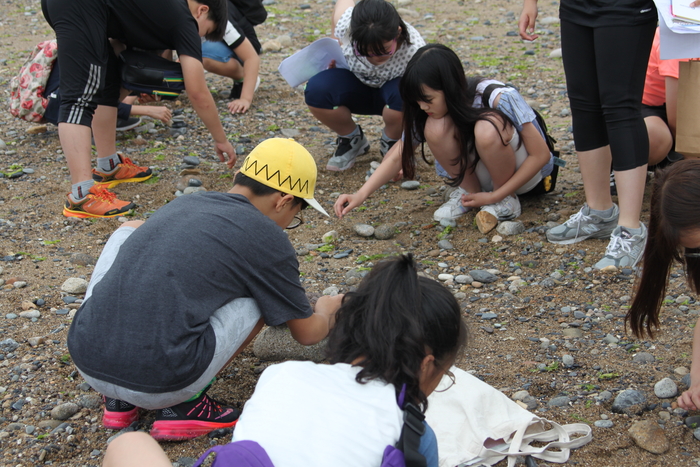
172 302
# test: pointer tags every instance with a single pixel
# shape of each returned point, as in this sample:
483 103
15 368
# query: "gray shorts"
232 324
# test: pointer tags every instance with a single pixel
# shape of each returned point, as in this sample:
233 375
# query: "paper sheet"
675 46
301 66
682 9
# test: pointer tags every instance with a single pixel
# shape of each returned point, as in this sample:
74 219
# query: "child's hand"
162 113
526 24
476 200
239 106
696 3
346 203
332 63
227 149
690 399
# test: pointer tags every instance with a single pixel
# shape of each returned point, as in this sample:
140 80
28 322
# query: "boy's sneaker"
347 151
583 225
118 414
506 209
452 209
237 89
385 145
624 250
126 171
99 202
128 124
192 419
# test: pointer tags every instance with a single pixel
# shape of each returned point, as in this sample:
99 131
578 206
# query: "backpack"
405 454
548 183
27 99
146 72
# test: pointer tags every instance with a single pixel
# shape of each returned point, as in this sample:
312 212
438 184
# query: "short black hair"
260 189
218 13
374 23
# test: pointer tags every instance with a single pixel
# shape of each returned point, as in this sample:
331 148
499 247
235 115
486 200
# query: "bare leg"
338 120
595 170
75 141
135 449
498 159
393 120
104 130
440 136
231 69
660 139
630 194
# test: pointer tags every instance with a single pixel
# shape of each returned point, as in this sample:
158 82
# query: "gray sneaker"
506 209
624 250
347 151
583 225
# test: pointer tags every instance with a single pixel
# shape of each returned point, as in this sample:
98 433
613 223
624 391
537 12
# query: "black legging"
605 70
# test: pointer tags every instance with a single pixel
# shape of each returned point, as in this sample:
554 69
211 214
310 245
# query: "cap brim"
314 204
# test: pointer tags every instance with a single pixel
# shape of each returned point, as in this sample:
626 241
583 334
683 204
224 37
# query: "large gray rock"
384 232
666 388
643 357
363 230
276 343
482 276
630 402
64 411
507 228
74 285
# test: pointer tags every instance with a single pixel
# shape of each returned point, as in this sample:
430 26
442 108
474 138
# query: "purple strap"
402 396
239 453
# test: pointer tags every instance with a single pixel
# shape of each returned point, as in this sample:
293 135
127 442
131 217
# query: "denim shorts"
218 51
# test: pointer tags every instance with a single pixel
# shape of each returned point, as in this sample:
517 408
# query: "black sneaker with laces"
385 145
118 414
192 419
128 124
347 151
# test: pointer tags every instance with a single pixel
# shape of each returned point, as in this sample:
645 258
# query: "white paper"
301 66
672 24
675 46
682 9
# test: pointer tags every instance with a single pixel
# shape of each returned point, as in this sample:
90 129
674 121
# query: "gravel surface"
546 329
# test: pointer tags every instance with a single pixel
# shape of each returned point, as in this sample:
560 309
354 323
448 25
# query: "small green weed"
607 376
325 248
152 180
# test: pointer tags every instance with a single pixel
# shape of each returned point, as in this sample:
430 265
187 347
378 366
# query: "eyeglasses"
388 54
453 380
296 222
692 253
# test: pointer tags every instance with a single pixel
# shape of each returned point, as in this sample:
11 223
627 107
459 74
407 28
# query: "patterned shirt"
376 75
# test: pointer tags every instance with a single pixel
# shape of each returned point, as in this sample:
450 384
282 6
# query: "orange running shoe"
126 171
98 203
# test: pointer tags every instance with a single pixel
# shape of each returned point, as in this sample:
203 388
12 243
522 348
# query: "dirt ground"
42 248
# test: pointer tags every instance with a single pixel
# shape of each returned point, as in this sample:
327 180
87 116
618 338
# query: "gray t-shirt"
146 325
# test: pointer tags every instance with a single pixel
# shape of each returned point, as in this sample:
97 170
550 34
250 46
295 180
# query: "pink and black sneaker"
118 414
192 419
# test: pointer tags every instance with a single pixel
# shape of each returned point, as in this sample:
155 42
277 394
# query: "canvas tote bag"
688 113
476 424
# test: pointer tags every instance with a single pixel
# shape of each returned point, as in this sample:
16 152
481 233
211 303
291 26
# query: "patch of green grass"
308 258
65 358
570 194
152 150
159 157
448 230
363 258
50 242
669 301
226 175
326 248
427 262
580 419
273 127
588 387
633 348
607 376
554 366
588 404
152 180
362 208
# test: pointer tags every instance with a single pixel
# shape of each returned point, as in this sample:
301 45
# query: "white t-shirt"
311 415
376 75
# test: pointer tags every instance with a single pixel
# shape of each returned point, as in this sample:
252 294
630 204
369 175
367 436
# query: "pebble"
643 357
489 316
567 360
696 433
35 341
648 435
445 245
30 314
610 339
508 228
191 160
692 422
410 185
342 254
363 230
289 132
603 423
556 53
74 285
276 343
8 346
384 232
331 291
330 236
559 401
193 189
630 402
520 395
604 396
64 411
686 380
572 332
482 276
666 388
464 279
445 277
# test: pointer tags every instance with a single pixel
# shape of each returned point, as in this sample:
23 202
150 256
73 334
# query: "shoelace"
103 194
578 218
618 242
126 161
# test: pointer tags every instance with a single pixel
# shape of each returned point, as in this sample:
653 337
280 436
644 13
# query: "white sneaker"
624 250
452 209
506 209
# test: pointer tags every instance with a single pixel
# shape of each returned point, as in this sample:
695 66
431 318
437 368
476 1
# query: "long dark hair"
675 209
438 67
373 23
392 322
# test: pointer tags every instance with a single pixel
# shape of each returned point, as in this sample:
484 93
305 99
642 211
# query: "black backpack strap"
412 430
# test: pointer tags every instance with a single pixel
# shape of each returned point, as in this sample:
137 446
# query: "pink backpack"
27 99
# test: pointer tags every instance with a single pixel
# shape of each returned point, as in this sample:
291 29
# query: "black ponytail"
393 320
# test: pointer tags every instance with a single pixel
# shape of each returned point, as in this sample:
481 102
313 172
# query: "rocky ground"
546 329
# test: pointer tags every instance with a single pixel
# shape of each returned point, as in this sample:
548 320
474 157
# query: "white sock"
81 189
108 164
